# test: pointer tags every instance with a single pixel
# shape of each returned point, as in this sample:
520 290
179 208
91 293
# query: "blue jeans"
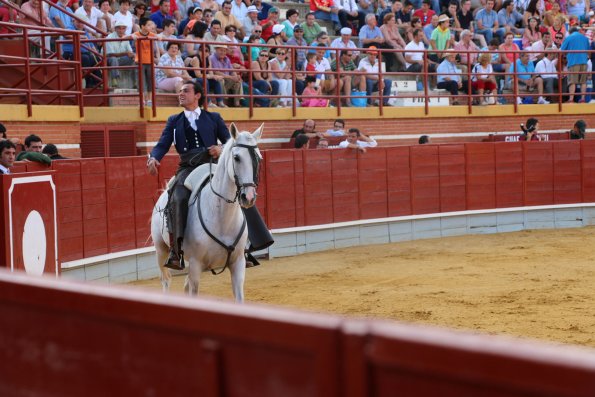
328 16
372 85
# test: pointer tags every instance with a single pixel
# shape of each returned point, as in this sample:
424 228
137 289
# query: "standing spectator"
124 15
370 65
7 156
547 69
171 80
509 18
311 28
119 53
227 18
230 80
531 33
526 77
484 81
357 140
160 16
449 77
487 22
326 10
146 55
576 62
291 21
425 13
308 129
268 23
298 40
251 20
370 34
348 11
51 151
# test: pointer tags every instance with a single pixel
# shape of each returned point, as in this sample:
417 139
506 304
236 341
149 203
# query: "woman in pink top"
393 38
532 33
508 47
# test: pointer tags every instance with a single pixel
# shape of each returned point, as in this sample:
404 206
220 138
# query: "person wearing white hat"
226 75
344 41
119 53
441 38
278 38
251 20
449 76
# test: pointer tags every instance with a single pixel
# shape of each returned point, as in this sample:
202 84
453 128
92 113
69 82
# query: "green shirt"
441 38
34 156
310 33
349 67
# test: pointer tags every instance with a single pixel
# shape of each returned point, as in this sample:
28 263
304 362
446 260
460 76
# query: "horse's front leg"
238 273
193 277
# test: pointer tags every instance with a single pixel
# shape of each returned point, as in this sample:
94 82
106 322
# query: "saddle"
197 178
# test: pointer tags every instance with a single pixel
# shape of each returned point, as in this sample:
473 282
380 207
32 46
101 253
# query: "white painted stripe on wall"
407 136
106 257
68 146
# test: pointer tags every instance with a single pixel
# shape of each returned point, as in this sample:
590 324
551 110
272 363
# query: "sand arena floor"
537 284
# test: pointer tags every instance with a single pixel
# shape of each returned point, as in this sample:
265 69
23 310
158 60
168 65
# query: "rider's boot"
175 259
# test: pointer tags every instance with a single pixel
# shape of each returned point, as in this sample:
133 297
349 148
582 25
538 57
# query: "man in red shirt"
267 24
425 13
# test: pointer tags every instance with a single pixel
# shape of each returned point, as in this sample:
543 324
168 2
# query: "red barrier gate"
30 223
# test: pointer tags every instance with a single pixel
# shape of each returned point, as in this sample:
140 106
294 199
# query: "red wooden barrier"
116 341
588 170
372 176
567 173
425 179
453 190
318 187
481 176
398 175
345 185
509 175
539 173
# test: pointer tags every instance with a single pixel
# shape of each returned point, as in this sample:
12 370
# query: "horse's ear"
233 130
258 133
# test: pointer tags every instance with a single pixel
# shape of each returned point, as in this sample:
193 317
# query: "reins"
239 186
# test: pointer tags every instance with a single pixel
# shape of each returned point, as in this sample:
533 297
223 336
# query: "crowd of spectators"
437 32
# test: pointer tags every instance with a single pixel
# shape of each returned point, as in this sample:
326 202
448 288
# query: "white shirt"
95 15
373 143
339 43
347 5
117 47
192 116
539 47
4 169
546 68
128 19
323 66
332 132
365 65
415 56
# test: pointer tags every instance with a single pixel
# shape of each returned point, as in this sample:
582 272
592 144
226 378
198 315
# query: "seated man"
526 77
119 53
547 70
337 130
231 81
449 77
487 22
347 81
371 66
353 141
414 54
33 149
7 153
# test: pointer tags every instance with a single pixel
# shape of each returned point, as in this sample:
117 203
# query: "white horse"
233 185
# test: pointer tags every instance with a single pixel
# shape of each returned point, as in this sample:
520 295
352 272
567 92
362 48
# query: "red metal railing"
427 78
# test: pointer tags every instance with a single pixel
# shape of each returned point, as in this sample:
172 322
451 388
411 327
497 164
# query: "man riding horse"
194 132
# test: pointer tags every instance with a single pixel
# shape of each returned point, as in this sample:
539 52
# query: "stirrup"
175 261
251 261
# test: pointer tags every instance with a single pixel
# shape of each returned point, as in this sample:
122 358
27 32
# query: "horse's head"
244 163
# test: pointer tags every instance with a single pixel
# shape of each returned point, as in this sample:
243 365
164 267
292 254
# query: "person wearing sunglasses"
282 75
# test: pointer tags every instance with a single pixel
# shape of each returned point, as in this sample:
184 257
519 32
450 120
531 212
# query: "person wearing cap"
251 20
441 39
344 41
119 52
124 15
277 39
579 129
263 9
194 14
227 18
325 10
291 21
298 40
348 11
268 23
449 76
370 65
311 28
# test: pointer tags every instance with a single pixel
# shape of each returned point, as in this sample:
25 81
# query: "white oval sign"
34 244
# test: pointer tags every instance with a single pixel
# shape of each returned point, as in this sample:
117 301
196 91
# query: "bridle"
254 155
252 149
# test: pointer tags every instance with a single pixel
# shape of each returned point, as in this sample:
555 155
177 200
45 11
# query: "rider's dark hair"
197 88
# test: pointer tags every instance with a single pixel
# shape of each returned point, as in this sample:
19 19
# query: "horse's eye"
236 157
